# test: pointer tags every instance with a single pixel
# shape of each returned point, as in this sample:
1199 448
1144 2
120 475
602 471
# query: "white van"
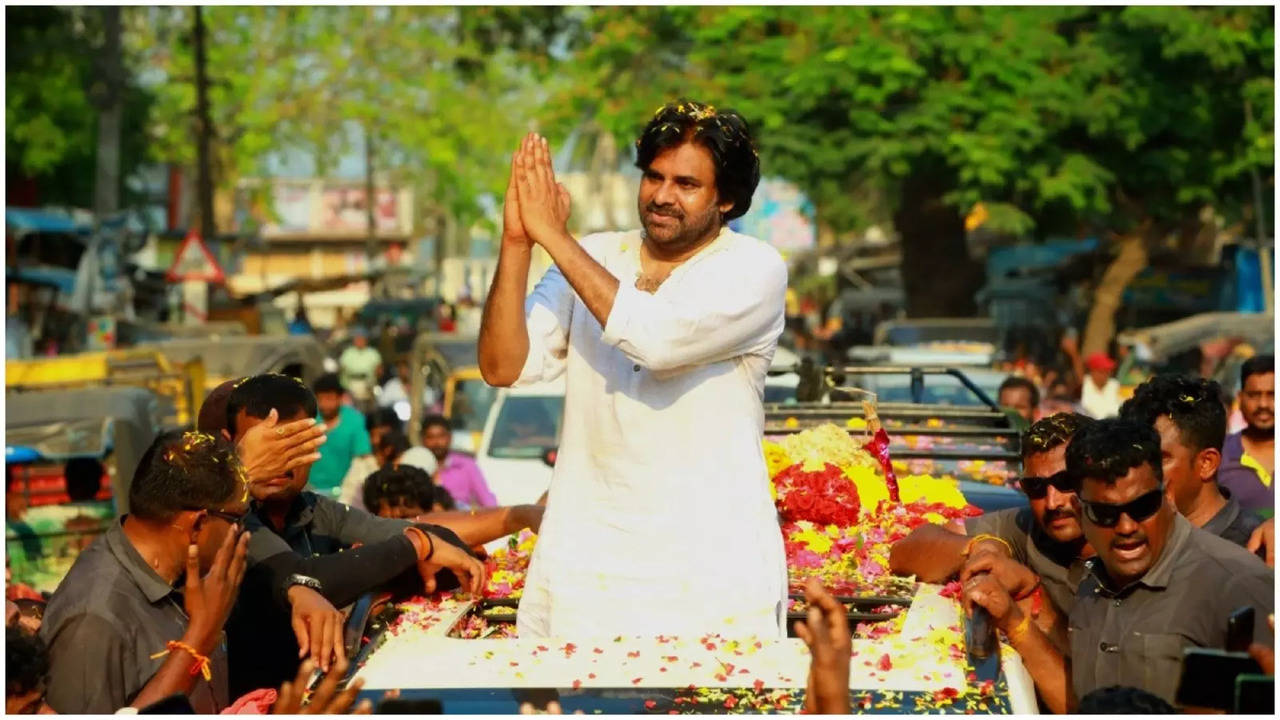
523 424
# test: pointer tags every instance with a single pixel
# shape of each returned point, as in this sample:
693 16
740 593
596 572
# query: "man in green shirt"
348 441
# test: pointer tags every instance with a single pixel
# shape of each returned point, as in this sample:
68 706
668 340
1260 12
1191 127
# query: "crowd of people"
230 567
1133 547
219 588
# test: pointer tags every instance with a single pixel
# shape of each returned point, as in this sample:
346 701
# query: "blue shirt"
347 441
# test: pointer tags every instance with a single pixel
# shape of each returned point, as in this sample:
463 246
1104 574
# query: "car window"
779 394
938 389
471 402
526 426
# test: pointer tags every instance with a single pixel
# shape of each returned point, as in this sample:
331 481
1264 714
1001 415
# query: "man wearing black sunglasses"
124 628
1028 550
1157 587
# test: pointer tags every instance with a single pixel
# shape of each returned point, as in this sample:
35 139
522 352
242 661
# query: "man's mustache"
1051 515
663 210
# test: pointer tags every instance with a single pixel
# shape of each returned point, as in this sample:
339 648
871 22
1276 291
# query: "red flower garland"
825 497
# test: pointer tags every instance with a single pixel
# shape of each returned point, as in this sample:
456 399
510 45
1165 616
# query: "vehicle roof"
555 387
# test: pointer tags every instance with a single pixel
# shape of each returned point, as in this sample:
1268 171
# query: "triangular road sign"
193 261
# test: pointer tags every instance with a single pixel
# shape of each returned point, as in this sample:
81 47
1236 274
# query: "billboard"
318 208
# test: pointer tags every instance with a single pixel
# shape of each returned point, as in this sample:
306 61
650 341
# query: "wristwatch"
303 580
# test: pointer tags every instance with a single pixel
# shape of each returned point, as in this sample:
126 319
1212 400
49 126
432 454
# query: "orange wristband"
202 661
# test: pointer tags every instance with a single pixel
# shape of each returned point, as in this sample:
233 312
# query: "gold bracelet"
1020 629
969 548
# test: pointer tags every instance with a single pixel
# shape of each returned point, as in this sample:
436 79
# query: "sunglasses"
1038 487
235 520
1139 509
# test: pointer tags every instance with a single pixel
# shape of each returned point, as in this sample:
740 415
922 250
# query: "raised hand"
209 599
326 700
269 450
544 203
826 632
513 232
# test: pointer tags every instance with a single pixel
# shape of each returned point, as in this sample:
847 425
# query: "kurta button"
1117 603
636 368
1107 647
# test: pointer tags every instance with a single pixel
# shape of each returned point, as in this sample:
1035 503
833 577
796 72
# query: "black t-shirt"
317 541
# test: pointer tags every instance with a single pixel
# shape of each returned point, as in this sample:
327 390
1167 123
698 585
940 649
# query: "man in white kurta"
659 519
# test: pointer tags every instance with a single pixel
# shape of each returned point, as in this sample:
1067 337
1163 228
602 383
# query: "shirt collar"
1158 576
300 514
144 576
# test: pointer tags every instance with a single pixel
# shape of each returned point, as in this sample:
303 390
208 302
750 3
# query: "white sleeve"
736 311
548 312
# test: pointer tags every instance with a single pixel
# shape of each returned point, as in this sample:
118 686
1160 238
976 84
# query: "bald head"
213 413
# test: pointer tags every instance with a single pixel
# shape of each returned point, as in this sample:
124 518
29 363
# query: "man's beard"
687 231
1261 433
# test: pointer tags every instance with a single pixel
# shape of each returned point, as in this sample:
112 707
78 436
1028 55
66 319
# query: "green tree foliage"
50 123
1055 118
444 91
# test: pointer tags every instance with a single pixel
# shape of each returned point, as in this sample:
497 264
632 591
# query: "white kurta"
659 520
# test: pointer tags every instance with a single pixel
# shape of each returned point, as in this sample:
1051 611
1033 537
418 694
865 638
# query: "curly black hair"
1117 700
400 485
724 133
257 395
1193 405
26 661
1106 450
184 471
1048 433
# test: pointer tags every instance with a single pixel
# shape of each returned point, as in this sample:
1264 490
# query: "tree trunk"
204 135
1101 325
107 97
939 278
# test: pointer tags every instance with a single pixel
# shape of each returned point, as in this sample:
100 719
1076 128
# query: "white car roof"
555 387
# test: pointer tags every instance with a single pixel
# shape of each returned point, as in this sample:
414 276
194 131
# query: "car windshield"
526 426
471 402
779 394
938 389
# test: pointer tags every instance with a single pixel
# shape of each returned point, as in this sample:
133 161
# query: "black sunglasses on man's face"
1038 487
1138 509
235 520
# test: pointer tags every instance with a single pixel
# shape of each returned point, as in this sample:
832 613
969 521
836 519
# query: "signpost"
195 267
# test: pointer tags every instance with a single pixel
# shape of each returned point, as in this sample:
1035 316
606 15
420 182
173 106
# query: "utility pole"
204 135
371 241
106 96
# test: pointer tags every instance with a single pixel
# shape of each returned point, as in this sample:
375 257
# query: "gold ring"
280 431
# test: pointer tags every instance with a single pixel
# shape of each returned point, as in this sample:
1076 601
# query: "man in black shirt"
301 537
1188 415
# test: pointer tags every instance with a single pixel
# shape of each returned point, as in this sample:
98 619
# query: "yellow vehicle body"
452 406
183 384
